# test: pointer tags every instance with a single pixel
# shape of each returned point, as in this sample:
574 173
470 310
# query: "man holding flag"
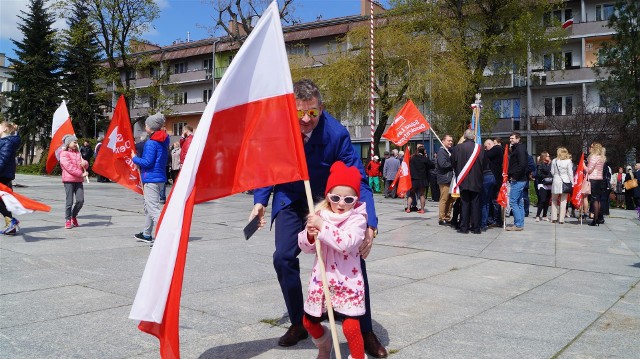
325 142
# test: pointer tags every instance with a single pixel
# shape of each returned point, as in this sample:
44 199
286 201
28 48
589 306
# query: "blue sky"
179 17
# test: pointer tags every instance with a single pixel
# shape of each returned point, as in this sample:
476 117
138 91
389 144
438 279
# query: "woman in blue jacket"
9 144
153 172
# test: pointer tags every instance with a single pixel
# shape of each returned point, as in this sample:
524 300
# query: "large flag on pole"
19 204
114 159
407 123
475 119
577 195
252 111
503 195
403 176
60 127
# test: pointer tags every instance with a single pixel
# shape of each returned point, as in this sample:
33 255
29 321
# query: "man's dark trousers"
289 222
470 214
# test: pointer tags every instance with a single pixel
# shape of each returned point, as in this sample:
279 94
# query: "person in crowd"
433 180
495 156
339 224
175 161
562 171
389 171
531 175
607 174
152 164
545 181
9 145
617 182
86 151
326 141
444 176
488 186
74 170
373 172
636 191
185 142
419 167
595 167
628 194
519 176
468 163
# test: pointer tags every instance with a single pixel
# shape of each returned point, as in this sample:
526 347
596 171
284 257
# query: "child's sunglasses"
336 198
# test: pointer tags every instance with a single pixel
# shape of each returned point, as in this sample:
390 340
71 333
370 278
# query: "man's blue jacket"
329 142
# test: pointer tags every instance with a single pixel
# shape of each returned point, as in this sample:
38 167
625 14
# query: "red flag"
503 195
60 127
114 159
19 204
252 111
403 177
408 122
576 195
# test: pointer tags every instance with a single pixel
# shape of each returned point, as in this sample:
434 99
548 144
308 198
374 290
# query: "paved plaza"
565 291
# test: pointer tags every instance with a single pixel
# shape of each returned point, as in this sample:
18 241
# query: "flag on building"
403 176
567 23
407 123
61 127
252 111
578 178
114 159
19 204
503 194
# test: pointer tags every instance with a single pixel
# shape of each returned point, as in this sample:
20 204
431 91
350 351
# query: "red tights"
351 330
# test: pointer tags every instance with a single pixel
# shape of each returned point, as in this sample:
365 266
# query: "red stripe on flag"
56 141
254 145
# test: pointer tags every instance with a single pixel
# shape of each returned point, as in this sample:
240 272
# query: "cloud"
9 18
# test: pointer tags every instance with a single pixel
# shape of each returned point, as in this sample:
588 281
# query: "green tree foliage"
494 35
407 65
620 73
81 69
36 77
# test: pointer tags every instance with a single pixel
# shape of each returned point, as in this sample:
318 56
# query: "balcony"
573 75
188 108
590 28
190 76
220 72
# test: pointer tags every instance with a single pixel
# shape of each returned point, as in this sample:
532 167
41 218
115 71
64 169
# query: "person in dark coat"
444 176
519 177
419 167
494 155
470 182
86 151
9 145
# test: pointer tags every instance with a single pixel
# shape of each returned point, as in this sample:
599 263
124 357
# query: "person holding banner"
468 162
326 141
518 165
74 169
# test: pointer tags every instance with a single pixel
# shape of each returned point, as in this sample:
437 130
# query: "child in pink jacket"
74 169
339 225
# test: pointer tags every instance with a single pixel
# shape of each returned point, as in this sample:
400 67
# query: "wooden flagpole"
323 273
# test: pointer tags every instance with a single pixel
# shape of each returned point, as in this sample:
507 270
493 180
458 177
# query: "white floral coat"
340 239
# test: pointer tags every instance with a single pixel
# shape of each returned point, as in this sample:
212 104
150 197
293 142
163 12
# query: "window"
131 74
207 64
558 105
508 108
179 98
297 50
206 95
604 12
178 127
557 16
153 102
609 105
557 61
568 60
179 68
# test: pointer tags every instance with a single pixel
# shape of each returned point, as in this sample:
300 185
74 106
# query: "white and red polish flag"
19 204
252 111
114 159
61 127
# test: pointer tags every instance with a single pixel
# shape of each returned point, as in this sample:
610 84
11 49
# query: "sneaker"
421 211
142 238
10 232
515 228
537 219
74 221
68 224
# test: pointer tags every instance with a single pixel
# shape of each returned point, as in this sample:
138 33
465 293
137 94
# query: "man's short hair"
306 90
469 134
498 140
421 150
445 137
516 135
395 152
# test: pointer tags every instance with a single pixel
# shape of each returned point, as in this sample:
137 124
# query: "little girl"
74 169
339 225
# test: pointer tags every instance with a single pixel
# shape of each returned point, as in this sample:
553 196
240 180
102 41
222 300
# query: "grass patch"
271 322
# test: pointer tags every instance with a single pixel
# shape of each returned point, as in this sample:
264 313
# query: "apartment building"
6 74
557 87
186 73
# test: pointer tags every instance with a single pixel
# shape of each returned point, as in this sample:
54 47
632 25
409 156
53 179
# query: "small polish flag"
60 127
567 23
